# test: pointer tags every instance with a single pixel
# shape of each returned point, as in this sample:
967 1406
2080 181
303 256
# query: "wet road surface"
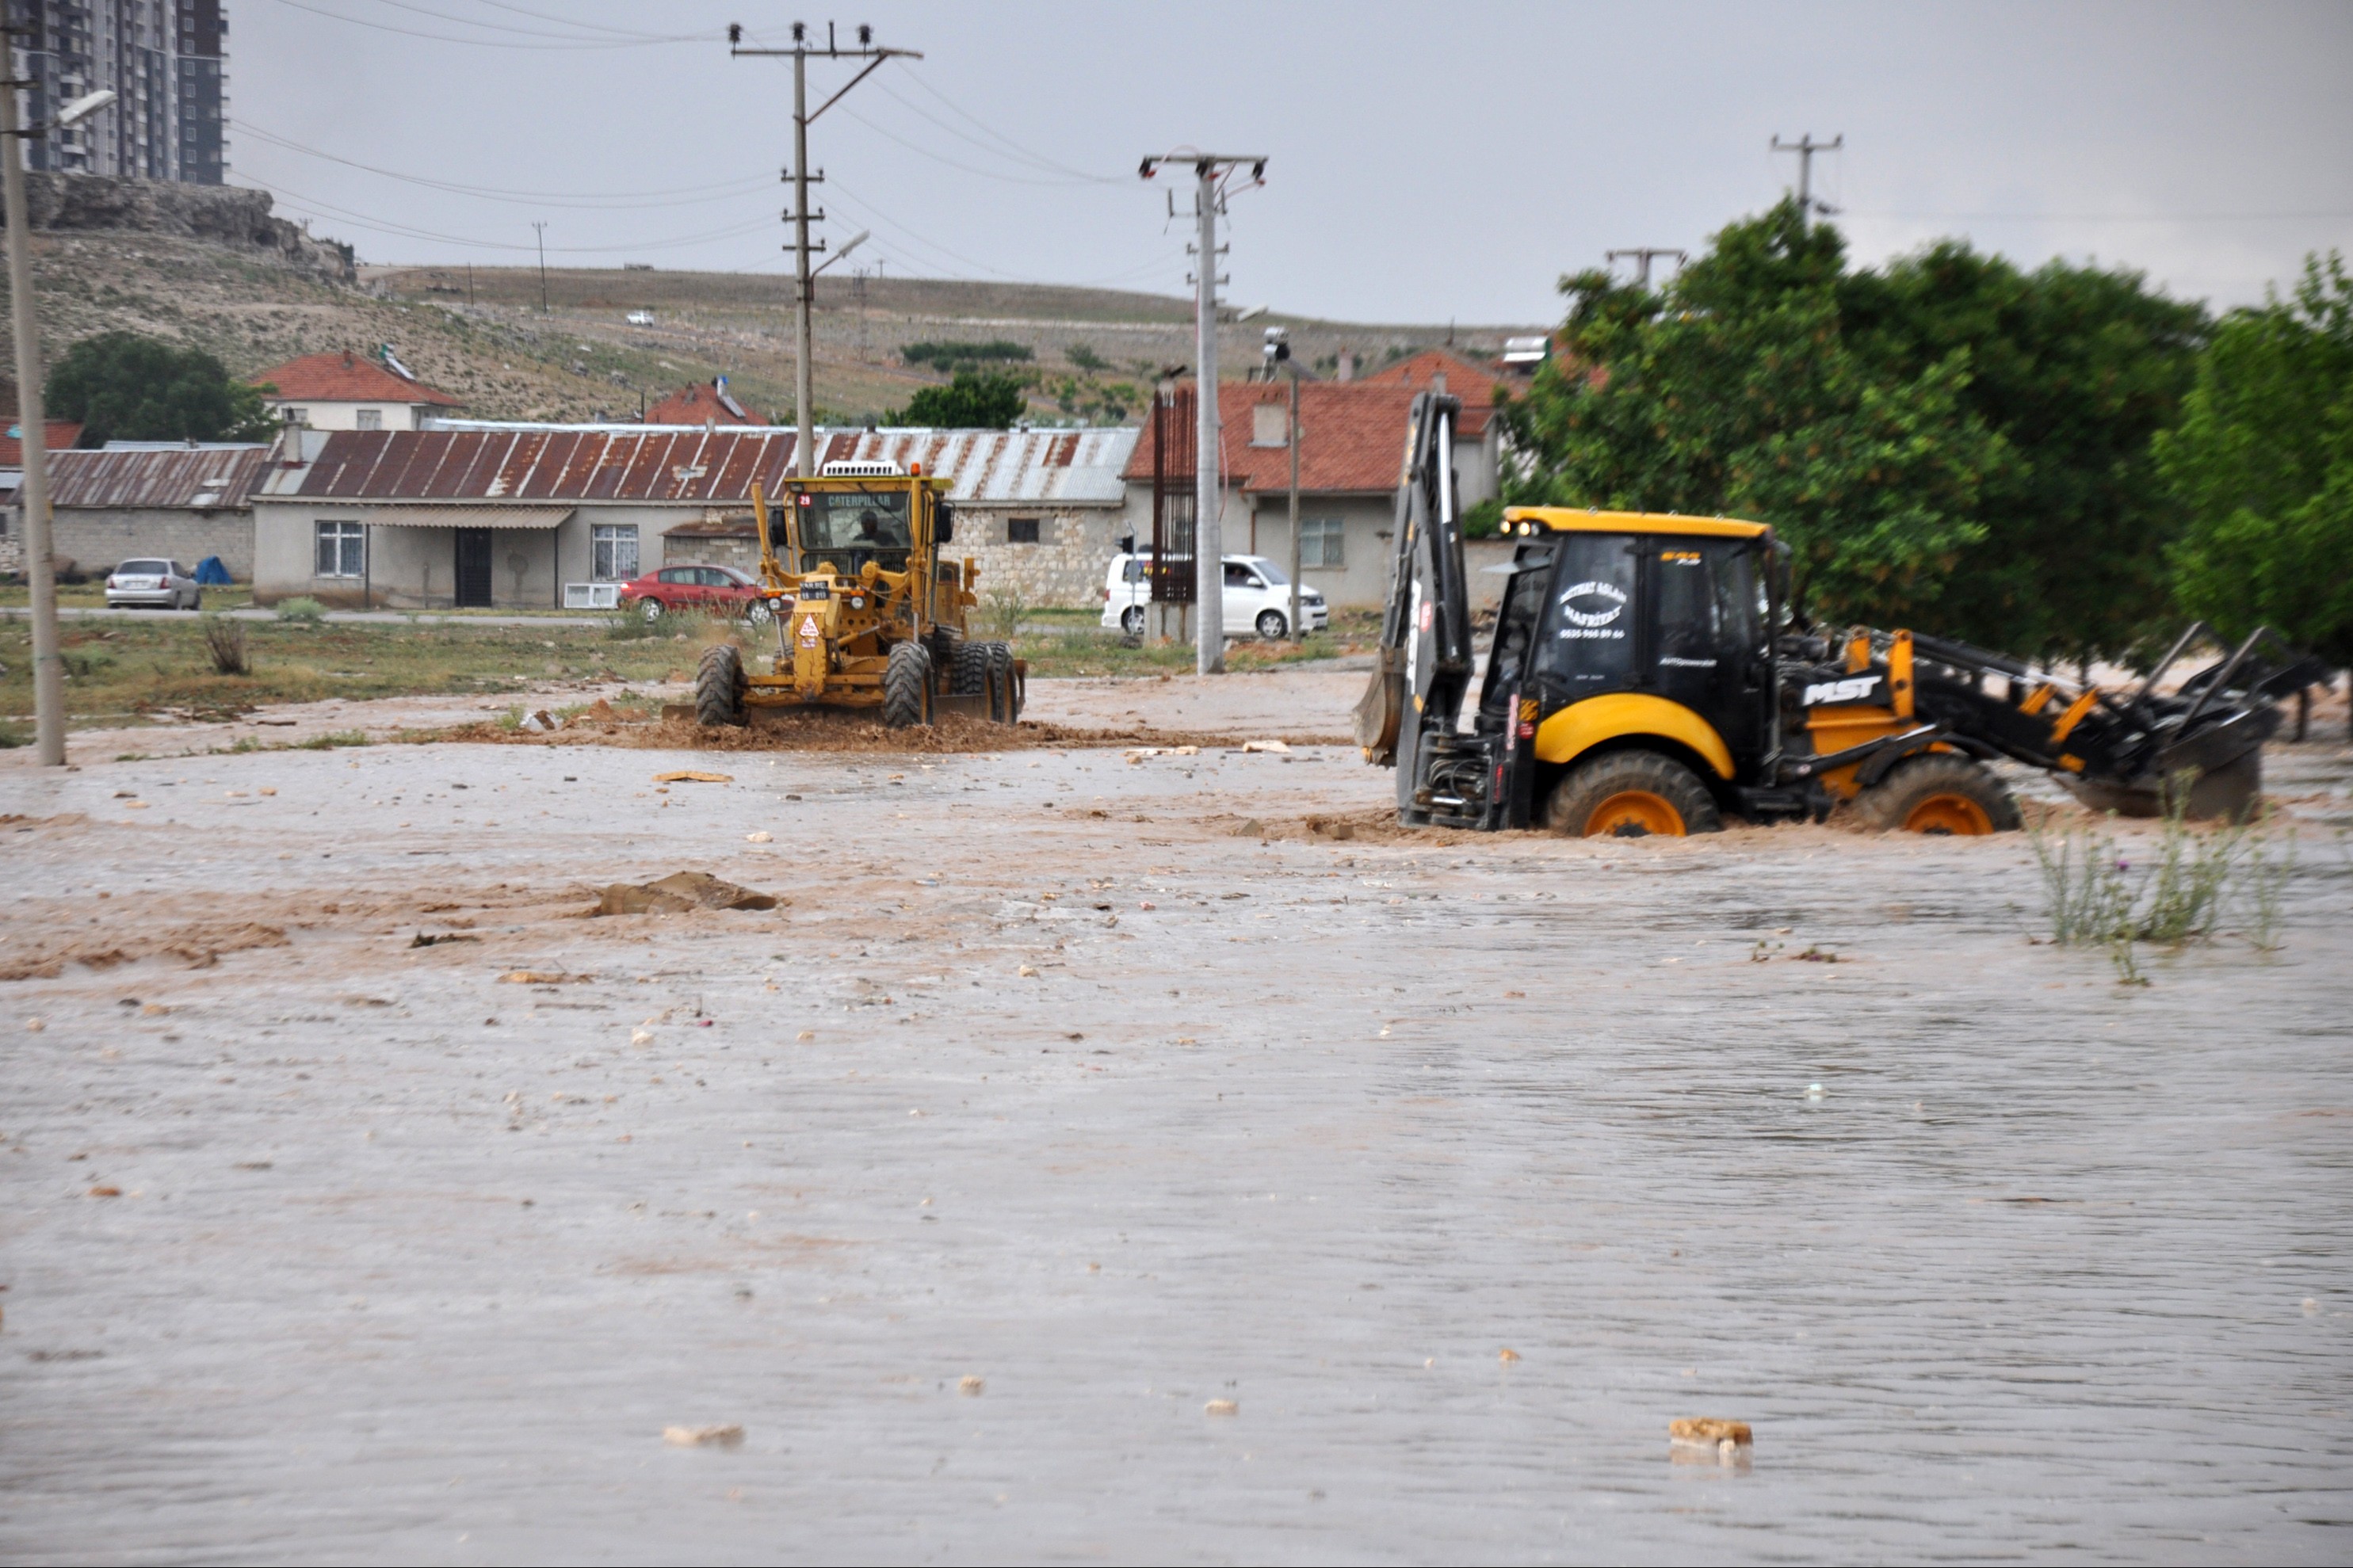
2002 1259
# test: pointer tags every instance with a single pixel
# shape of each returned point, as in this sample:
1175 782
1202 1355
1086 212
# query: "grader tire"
1631 795
1004 686
907 687
968 670
1939 793
719 688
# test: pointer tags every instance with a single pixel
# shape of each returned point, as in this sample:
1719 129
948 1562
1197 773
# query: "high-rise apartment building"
168 61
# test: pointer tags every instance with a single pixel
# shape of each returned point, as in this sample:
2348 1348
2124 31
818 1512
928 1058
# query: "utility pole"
1805 147
800 217
541 225
1210 171
33 496
1642 256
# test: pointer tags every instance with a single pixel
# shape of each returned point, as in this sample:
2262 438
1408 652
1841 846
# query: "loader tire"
719 687
907 687
968 670
1940 794
1631 795
1004 684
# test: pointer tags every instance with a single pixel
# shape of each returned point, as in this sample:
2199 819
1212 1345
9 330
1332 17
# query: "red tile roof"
344 377
1474 383
57 435
1352 436
701 404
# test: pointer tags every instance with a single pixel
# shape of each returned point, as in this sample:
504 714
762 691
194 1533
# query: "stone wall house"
1351 451
478 514
177 500
62 434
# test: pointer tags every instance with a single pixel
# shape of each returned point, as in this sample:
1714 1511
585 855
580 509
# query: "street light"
854 241
33 498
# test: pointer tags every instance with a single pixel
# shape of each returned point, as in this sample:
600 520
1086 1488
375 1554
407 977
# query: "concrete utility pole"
541 225
1209 170
33 498
1805 147
800 217
1643 255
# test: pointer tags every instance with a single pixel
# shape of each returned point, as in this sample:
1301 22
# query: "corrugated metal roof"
703 466
207 479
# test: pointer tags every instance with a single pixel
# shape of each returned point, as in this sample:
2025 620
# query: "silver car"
153 584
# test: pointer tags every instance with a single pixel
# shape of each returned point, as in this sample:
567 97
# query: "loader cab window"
1584 640
850 527
1515 630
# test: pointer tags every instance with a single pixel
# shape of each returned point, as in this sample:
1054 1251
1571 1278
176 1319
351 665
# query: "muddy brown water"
2000 1260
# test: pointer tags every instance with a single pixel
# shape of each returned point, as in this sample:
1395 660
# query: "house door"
473 568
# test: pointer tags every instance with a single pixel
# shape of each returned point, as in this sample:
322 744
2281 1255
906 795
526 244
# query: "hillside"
256 295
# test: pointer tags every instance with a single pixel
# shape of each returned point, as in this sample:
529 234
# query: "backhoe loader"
1646 676
867 615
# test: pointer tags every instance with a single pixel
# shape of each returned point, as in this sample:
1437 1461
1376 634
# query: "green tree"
969 401
123 386
2076 369
2262 461
1735 392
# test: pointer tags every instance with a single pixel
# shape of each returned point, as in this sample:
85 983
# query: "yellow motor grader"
867 614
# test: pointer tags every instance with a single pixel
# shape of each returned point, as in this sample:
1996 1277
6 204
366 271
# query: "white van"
1258 597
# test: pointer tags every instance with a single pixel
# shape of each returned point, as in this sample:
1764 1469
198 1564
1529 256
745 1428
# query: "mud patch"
834 731
199 946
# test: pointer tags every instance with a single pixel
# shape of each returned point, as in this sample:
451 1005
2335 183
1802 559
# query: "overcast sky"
1426 163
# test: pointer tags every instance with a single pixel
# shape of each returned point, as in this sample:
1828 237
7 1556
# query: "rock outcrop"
224 214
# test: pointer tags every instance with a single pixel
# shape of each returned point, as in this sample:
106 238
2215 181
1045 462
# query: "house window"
368 419
1270 424
614 547
295 416
1020 531
343 550
1321 542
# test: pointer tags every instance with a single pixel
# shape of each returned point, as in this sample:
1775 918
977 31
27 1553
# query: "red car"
712 590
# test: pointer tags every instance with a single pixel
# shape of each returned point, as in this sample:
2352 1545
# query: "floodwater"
2002 1259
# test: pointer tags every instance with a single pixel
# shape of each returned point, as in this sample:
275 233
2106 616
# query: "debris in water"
423 941
970 1386
541 977
641 1037
1507 1356
693 775
1221 1407
34 1026
1709 1432
760 837
1028 972
703 1436
1816 1091
539 723
106 1191
678 892
1265 746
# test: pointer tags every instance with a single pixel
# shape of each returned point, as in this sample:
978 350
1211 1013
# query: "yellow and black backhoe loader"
1645 677
867 614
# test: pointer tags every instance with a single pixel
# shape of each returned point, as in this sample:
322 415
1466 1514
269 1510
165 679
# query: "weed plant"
305 611
224 642
2095 896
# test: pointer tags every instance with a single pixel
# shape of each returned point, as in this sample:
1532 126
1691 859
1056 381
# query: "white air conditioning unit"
884 469
592 596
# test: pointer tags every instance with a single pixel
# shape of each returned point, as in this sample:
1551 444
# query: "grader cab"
866 611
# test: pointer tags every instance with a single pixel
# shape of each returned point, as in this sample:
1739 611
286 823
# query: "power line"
496 43
2111 217
408 231
1038 159
950 163
1020 154
621 201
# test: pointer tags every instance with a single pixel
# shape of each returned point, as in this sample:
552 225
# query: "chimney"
1347 371
347 359
1438 384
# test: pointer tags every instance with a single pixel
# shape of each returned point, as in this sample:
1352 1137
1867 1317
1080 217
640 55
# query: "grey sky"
1428 164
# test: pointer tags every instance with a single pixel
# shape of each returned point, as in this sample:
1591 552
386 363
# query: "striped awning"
464 516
